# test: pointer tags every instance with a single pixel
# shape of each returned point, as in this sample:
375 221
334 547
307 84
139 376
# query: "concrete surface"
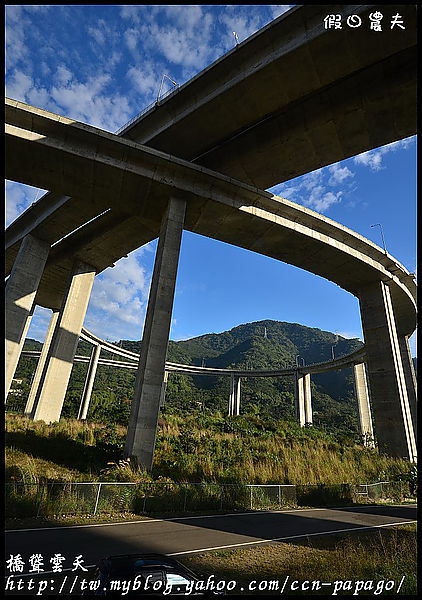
20 292
364 407
390 402
142 427
41 363
52 388
89 382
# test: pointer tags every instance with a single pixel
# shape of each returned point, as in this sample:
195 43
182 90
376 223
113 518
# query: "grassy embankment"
194 447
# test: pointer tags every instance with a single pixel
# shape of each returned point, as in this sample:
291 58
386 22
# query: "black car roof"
129 562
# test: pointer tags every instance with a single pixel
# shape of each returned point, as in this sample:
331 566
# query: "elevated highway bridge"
292 98
301 374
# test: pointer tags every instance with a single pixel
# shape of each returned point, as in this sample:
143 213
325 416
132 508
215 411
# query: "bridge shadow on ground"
69 453
181 536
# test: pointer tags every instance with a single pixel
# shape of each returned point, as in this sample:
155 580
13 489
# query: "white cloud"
188 44
63 75
119 298
130 12
16 48
373 158
321 201
19 85
88 102
39 323
144 80
131 39
244 23
313 189
338 174
102 33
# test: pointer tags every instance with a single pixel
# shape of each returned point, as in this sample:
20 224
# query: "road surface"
183 536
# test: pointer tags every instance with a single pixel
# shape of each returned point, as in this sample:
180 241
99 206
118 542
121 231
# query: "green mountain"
260 345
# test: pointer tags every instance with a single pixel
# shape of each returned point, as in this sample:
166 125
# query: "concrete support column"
362 397
41 363
89 382
231 396
410 378
307 398
23 338
300 398
234 399
20 292
140 442
163 389
237 396
51 392
390 402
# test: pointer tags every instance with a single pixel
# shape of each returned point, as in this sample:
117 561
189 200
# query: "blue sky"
102 65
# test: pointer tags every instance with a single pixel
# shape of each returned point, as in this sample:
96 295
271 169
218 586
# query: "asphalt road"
182 536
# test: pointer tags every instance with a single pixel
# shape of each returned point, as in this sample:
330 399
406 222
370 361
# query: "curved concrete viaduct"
303 399
85 160
290 99
110 194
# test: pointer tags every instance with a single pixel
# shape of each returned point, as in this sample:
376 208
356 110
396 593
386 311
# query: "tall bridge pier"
21 289
234 397
387 381
50 392
89 382
140 441
303 398
364 407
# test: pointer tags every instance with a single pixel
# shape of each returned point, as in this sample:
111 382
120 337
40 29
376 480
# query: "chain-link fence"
394 490
31 499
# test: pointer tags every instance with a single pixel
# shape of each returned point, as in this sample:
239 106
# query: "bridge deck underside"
293 98
133 185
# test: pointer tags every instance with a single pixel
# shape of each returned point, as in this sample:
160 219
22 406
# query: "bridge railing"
147 108
94 498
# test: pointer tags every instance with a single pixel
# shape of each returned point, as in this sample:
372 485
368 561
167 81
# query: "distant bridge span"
303 400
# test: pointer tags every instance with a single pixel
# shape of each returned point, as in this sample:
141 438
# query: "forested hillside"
259 345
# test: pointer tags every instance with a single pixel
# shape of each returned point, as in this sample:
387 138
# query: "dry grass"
385 555
188 450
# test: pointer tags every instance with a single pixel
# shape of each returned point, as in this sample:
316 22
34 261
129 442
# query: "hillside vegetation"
244 346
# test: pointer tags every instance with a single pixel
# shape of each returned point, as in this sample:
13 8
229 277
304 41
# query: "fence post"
251 497
221 497
40 501
97 498
279 495
184 500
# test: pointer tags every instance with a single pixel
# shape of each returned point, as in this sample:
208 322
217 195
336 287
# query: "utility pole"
382 235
